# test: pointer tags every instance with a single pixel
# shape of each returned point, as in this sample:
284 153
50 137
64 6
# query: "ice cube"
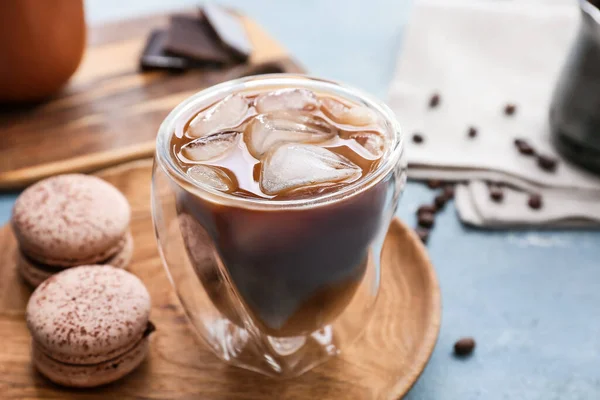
348 114
294 165
226 114
267 130
372 142
287 99
212 177
209 147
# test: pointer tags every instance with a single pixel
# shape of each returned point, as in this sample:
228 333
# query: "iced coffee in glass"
271 199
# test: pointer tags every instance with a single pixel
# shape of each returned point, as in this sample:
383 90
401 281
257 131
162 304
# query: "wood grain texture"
110 113
382 364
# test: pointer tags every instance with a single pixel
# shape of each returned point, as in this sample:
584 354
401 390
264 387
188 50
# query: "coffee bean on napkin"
524 147
496 193
535 202
434 100
417 138
510 109
547 163
472 132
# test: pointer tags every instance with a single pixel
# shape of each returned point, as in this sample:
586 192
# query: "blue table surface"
530 298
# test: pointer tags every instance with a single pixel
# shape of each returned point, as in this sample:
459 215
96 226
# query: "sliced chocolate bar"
229 29
154 56
192 37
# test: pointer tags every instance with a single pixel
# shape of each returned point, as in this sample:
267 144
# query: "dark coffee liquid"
294 270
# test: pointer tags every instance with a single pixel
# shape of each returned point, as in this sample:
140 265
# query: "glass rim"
169 166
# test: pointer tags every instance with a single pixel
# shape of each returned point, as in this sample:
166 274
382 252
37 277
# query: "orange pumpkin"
41 45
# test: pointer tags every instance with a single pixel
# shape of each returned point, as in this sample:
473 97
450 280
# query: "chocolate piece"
496 193
524 147
426 220
423 234
449 191
434 184
547 163
426 208
418 138
440 201
434 101
510 109
464 346
192 37
154 57
229 29
535 202
472 132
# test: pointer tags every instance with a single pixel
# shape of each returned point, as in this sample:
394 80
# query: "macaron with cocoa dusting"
71 220
89 325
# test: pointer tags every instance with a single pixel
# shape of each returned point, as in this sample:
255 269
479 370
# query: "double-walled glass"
275 286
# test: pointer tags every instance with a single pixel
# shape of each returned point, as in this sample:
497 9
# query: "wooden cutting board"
110 113
383 364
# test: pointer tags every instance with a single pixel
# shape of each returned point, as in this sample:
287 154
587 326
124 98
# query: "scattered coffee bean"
464 346
496 193
524 147
449 191
535 202
434 184
440 201
423 234
426 220
418 138
472 132
426 208
434 101
510 109
547 163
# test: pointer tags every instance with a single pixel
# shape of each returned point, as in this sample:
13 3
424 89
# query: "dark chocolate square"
154 56
192 37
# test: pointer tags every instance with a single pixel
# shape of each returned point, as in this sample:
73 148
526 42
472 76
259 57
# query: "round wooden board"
383 364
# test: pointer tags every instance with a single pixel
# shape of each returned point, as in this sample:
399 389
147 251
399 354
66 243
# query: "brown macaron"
89 325
71 220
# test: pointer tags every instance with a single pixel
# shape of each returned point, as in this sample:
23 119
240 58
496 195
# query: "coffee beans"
472 132
496 193
426 220
426 212
547 163
423 234
440 201
417 138
449 192
535 202
464 346
426 208
434 101
434 184
510 109
524 147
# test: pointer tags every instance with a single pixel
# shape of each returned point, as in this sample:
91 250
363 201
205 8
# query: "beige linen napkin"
480 56
475 207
